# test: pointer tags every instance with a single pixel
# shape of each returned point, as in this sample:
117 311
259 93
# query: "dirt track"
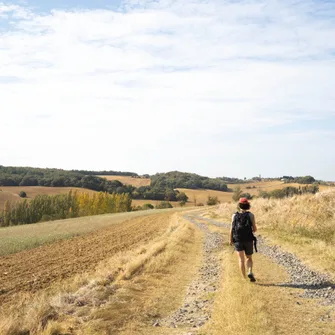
32 270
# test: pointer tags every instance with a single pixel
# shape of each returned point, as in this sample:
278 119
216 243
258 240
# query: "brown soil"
36 269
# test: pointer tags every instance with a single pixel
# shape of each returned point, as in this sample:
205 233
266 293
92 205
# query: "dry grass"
124 293
127 180
226 197
263 308
303 224
201 196
255 187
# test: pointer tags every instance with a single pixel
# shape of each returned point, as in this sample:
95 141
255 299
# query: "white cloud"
159 85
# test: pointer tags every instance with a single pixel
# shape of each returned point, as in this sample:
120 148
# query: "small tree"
23 194
182 197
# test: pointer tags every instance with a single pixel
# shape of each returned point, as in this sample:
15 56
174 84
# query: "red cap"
244 201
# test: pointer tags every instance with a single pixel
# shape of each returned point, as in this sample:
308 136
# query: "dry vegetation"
201 196
265 308
11 193
303 224
123 294
128 180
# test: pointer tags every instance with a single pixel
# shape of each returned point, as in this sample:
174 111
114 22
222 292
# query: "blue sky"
220 88
69 4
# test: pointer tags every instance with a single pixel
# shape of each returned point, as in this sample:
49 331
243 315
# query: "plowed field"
30 271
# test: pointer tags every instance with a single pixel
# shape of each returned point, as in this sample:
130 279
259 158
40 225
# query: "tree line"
106 173
162 187
176 179
63 206
289 191
299 180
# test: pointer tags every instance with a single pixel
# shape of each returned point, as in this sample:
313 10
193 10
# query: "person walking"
242 237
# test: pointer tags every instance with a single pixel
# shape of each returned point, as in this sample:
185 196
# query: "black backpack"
242 227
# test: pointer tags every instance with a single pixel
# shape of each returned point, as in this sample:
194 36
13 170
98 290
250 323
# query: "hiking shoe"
251 277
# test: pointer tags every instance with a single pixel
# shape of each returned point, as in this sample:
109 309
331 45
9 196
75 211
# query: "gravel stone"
315 284
197 306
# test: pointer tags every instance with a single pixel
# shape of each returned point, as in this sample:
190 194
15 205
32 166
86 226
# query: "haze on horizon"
218 88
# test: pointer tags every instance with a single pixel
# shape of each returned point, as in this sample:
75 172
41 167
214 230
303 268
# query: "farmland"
11 193
128 180
168 272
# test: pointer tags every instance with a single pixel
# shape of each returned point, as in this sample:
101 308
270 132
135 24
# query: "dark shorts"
248 247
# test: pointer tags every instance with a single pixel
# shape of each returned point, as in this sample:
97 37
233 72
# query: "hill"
172 272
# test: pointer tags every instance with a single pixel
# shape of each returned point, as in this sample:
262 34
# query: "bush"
212 201
23 194
163 205
200 204
182 197
148 206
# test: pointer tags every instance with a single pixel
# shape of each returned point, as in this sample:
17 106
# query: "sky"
220 88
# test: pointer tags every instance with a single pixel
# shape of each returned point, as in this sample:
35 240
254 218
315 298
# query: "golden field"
201 196
127 180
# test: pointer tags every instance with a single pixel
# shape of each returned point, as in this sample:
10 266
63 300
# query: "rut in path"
197 306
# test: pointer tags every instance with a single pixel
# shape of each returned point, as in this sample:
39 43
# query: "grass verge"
264 307
304 225
125 293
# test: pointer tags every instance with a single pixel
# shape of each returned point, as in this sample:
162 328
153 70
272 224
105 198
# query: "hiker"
242 237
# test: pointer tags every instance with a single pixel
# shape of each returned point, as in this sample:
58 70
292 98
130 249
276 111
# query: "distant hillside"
176 179
27 176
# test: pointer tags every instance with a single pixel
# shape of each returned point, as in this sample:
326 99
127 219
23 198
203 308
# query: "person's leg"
249 249
241 260
249 266
249 263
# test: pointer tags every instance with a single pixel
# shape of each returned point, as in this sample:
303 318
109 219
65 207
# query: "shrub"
182 197
23 194
163 205
212 201
200 204
148 206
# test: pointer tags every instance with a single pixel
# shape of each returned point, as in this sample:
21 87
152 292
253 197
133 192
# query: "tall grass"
311 216
304 225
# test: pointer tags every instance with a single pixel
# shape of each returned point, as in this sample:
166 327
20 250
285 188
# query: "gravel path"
196 309
197 306
316 285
